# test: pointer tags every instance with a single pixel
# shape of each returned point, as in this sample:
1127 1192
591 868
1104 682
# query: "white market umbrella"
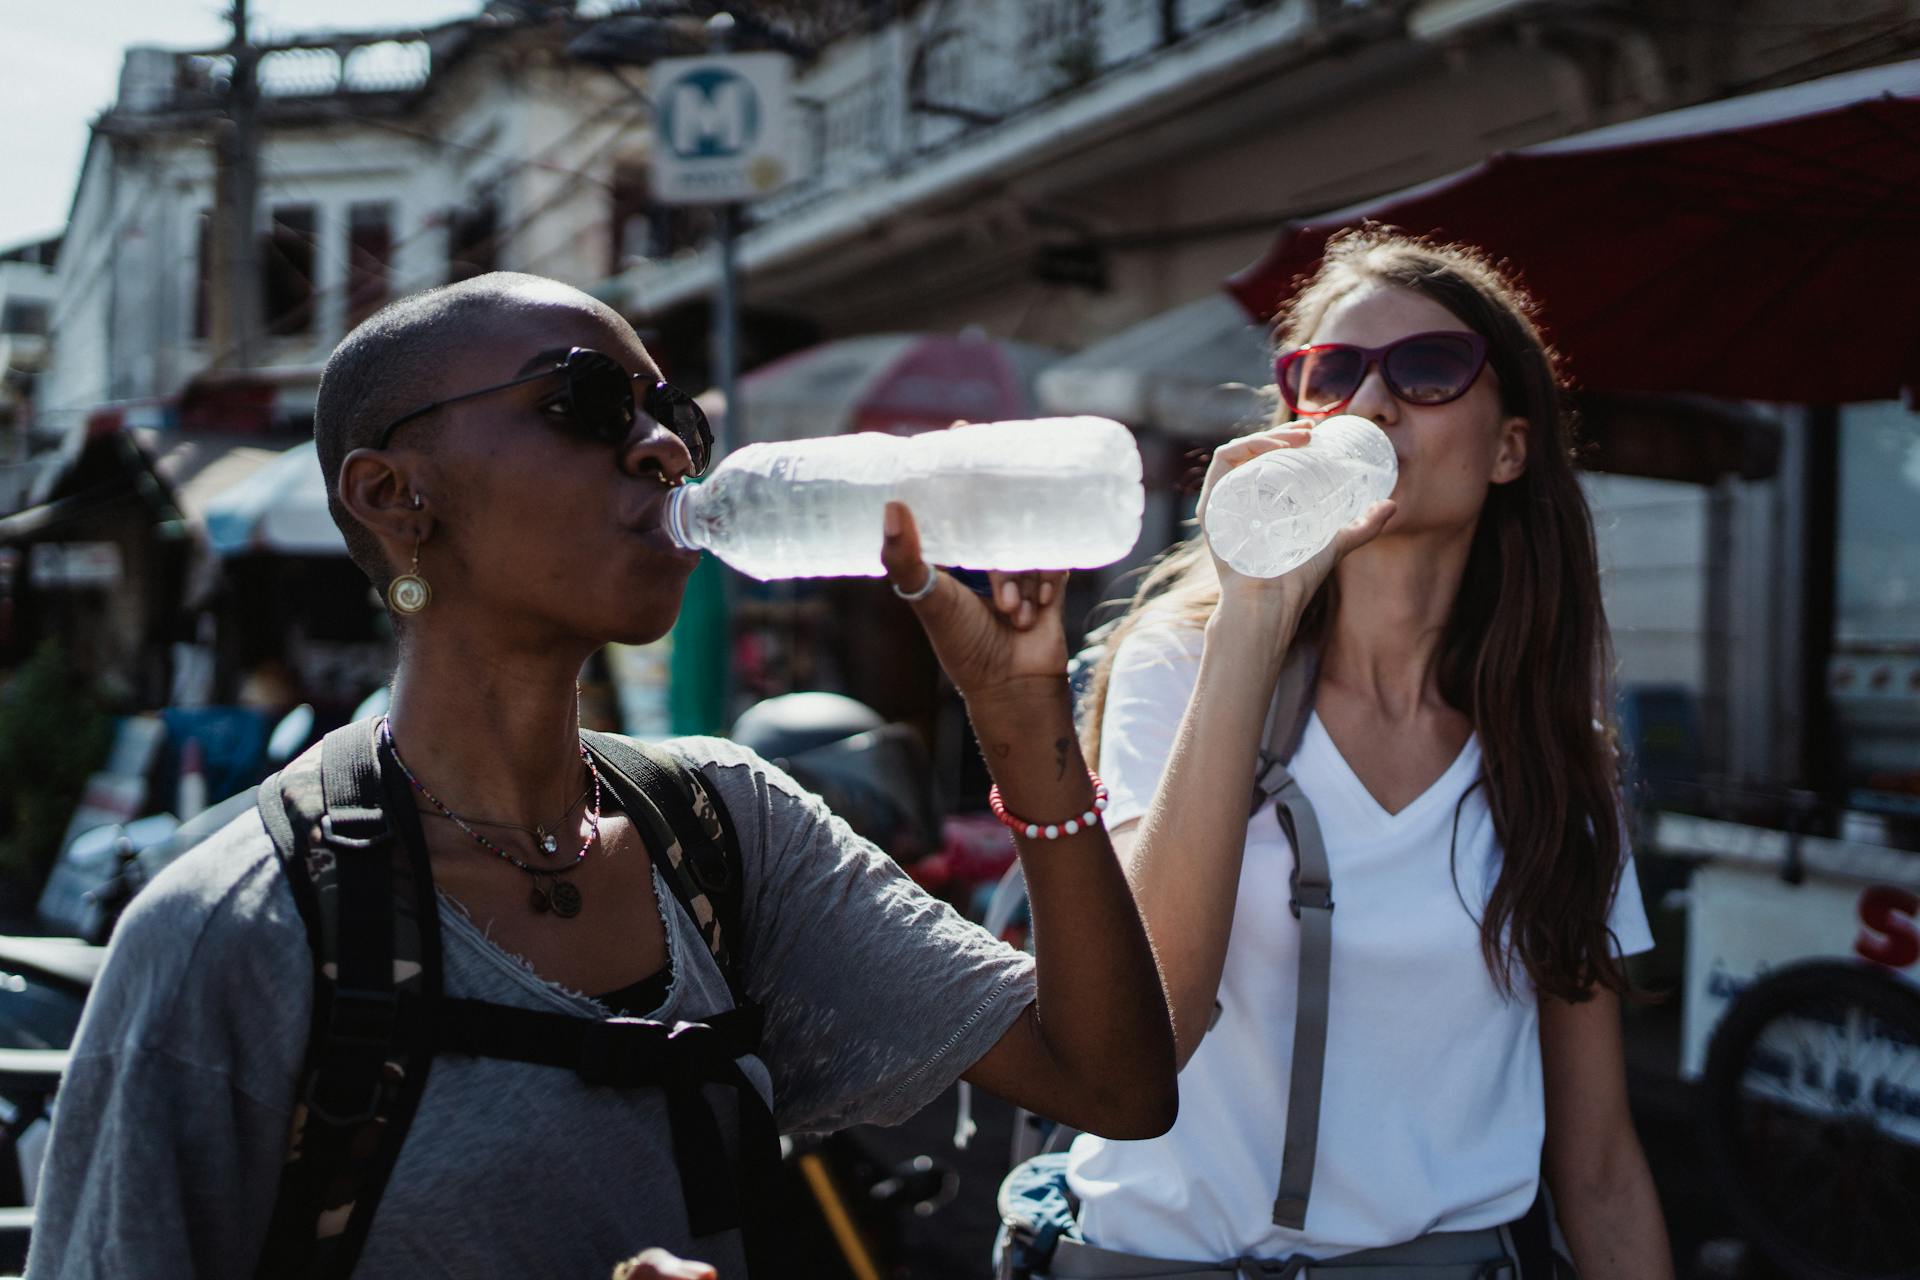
281 508
1197 371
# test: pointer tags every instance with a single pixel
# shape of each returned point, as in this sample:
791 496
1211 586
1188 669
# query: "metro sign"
712 113
721 128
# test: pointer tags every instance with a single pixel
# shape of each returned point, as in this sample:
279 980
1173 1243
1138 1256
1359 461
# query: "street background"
886 215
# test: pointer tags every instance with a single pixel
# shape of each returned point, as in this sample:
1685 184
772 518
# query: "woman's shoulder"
741 774
232 880
215 940
1159 641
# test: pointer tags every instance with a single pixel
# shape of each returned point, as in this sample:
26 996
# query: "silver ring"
925 589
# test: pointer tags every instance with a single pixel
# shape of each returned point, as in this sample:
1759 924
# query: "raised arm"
1094 1049
1183 857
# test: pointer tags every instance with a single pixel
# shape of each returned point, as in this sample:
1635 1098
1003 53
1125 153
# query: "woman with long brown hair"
1464 784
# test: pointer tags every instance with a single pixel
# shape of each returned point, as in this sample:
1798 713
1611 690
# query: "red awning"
1764 247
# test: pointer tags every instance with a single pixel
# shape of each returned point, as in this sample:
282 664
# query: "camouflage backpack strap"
693 840
366 897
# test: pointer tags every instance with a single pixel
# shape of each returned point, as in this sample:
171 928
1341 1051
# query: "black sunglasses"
599 404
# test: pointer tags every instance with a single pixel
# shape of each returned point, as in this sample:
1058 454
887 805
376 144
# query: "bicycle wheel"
1812 1088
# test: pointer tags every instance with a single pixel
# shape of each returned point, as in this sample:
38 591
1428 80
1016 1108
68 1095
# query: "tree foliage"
53 733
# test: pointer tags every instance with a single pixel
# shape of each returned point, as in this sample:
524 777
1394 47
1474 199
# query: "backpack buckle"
1317 896
1265 786
362 1018
622 1052
348 1085
345 827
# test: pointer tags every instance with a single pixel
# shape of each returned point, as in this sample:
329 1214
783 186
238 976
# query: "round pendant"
549 843
564 899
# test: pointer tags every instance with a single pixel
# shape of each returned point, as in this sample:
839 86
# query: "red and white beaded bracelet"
1051 830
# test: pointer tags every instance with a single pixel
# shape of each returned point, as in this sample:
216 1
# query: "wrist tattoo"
1060 748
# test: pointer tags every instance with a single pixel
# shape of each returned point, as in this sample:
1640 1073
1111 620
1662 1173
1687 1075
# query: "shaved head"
397 360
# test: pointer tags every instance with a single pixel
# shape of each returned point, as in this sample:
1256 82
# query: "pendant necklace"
543 835
550 892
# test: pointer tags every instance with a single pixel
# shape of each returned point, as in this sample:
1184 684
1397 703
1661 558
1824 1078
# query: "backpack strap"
379 1011
693 839
1312 905
1286 721
374 980
635 1053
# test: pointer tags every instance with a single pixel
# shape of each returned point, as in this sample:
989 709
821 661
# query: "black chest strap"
635 1053
346 829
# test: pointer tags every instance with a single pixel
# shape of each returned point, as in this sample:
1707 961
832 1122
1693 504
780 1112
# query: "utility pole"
726 310
236 292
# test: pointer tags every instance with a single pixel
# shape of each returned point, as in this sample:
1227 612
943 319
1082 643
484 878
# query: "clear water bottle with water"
1052 493
1276 512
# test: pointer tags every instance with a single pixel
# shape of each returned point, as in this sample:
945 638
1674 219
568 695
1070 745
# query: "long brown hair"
1524 654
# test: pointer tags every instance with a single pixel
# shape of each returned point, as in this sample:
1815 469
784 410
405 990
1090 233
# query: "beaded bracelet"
1051 830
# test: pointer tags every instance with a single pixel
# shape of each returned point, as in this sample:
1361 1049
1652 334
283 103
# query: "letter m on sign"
710 113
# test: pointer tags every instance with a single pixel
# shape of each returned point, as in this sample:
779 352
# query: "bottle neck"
678 520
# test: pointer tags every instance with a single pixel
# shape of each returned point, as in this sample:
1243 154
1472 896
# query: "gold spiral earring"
409 593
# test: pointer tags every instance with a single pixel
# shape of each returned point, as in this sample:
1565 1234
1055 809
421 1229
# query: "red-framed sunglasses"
1422 368
598 403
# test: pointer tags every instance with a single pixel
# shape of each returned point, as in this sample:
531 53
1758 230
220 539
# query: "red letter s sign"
1890 937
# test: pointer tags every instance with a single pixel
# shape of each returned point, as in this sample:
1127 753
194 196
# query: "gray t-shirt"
172 1121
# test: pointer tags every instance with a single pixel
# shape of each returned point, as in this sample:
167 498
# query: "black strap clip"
346 1089
347 828
624 1053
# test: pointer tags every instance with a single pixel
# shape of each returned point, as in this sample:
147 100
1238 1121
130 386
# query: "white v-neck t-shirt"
1432 1111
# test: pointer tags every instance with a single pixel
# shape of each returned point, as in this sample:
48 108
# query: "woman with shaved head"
499 455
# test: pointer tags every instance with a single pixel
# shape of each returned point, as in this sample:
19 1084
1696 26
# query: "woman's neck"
1390 616
492 734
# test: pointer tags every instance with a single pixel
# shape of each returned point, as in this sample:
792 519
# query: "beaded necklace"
561 897
546 835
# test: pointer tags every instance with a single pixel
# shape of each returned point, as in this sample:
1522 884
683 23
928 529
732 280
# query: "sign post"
722 126
722 137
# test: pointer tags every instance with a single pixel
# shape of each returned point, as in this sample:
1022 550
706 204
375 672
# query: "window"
644 229
286 270
948 81
1051 22
1878 601
369 259
855 124
24 316
1874 673
632 234
203 277
473 241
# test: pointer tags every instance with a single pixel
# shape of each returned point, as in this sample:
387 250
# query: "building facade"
388 162
1058 170
27 291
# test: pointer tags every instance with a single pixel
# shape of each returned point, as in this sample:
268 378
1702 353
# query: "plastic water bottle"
1276 512
1052 493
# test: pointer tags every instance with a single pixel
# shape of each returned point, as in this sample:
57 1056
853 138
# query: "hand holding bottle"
1297 584
1002 645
